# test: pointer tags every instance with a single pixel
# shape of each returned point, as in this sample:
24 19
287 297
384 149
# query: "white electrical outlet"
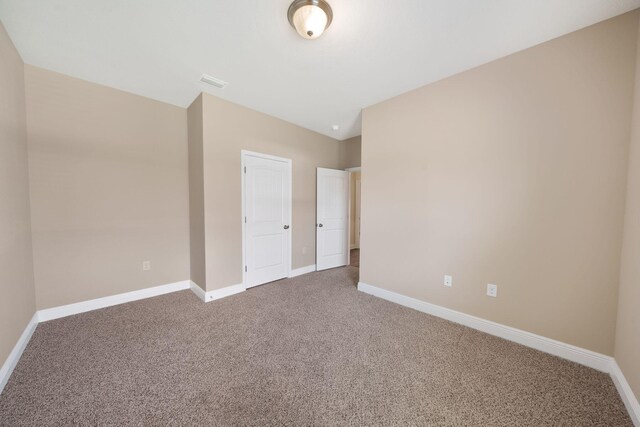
146 265
448 281
492 290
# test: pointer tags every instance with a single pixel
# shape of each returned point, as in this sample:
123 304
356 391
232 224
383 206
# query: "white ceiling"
374 49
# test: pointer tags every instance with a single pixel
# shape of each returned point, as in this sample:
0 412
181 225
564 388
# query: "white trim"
579 355
265 156
13 358
243 215
355 169
200 293
224 292
95 304
303 270
243 154
628 397
354 246
567 351
216 293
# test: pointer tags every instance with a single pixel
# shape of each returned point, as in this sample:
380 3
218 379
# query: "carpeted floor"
354 259
305 351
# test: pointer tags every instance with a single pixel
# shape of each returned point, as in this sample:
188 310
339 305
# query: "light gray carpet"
305 351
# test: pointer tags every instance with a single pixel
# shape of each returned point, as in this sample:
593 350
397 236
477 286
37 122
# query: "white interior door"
267 206
332 231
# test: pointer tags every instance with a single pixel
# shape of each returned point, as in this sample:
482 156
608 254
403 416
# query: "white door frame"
243 155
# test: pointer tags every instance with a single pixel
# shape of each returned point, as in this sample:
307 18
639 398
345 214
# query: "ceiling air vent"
220 84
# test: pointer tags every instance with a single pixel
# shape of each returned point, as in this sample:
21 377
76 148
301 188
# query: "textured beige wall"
109 189
512 173
17 301
627 350
228 129
350 152
196 194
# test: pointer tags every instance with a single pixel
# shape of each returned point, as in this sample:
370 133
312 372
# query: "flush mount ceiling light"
310 17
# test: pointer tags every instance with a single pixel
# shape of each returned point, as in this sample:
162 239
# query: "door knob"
320 225
286 227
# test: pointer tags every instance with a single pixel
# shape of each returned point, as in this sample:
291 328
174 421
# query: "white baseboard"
95 304
225 292
354 246
303 270
198 291
216 293
579 355
576 354
628 397
14 356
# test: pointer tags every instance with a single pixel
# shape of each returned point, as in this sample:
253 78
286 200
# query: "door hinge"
245 268
245 169
245 219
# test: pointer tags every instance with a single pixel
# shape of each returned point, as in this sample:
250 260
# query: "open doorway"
332 216
354 216
338 218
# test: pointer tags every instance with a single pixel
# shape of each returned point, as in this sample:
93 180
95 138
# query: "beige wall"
109 189
196 194
627 349
228 129
17 299
512 173
350 152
